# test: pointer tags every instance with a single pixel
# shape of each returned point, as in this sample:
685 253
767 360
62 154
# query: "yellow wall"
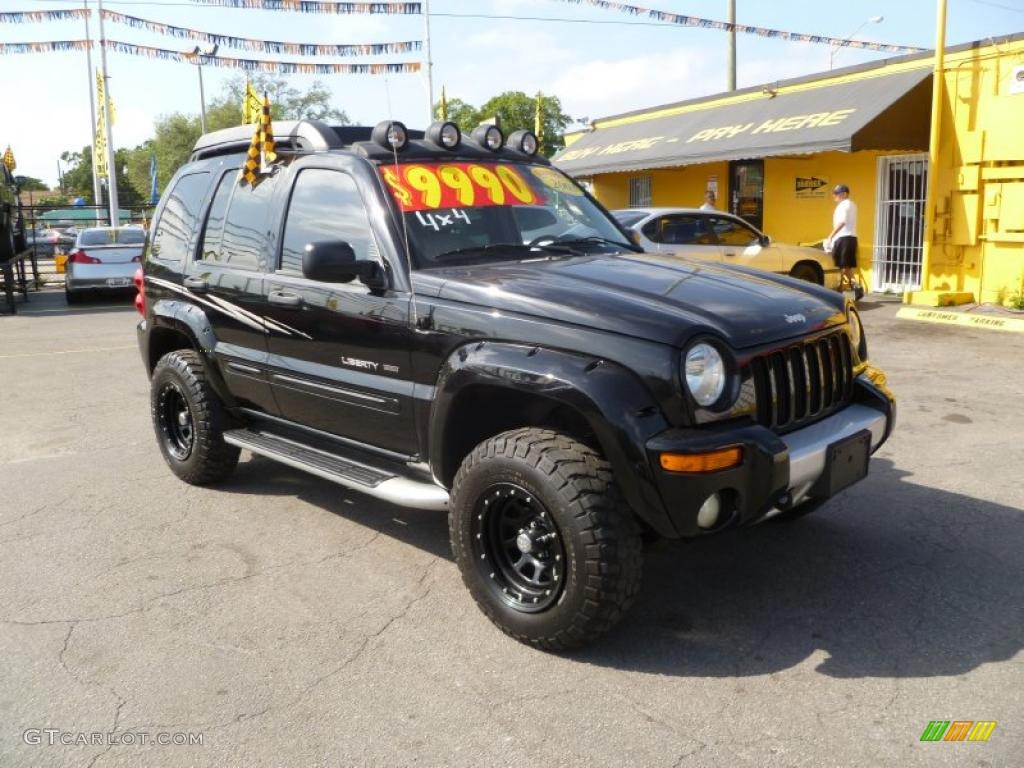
978 244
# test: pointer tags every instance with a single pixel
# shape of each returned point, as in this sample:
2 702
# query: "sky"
599 63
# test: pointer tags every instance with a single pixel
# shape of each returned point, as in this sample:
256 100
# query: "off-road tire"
599 537
807 272
209 459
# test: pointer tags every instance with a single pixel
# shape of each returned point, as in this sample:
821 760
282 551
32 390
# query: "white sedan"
721 237
103 258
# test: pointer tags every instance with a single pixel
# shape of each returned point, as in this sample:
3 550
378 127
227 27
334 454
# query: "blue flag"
154 194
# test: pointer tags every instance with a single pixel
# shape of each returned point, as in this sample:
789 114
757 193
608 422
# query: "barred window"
640 192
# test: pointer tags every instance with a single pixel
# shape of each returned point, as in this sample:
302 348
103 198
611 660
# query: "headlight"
857 334
704 371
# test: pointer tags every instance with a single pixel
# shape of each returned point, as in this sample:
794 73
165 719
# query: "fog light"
707 516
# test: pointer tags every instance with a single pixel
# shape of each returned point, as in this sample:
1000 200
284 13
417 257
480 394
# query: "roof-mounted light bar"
444 134
523 141
391 135
489 137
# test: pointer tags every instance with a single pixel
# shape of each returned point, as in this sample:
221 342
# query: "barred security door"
899 225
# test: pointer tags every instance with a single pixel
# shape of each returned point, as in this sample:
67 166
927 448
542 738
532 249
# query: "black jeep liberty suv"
447 322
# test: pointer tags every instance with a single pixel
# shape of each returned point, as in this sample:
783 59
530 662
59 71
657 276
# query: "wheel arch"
486 388
811 264
175 325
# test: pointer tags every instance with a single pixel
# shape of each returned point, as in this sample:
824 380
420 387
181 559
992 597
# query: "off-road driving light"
523 141
390 134
711 461
709 512
444 134
705 374
489 136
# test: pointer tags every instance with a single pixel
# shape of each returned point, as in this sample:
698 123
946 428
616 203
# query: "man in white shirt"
843 239
709 201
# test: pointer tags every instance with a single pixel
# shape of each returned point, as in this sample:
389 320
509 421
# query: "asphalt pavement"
285 621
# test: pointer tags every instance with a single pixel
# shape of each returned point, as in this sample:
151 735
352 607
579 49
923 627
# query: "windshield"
468 213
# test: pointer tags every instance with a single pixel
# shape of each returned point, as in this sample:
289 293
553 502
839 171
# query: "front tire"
808 272
189 420
545 543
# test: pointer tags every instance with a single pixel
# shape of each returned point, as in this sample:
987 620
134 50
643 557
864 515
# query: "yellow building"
772 154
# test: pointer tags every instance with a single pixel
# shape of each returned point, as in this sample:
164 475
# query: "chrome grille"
803 382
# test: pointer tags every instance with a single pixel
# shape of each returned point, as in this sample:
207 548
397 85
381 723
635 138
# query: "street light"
196 57
834 49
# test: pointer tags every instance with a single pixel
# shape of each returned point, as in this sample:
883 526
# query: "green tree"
30 184
517 112
78 178
461 113
286 101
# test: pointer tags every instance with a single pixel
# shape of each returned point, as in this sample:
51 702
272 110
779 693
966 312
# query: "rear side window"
238 224
180 217
326 205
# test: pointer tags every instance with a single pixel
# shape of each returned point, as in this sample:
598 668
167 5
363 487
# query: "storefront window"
640 192
746 191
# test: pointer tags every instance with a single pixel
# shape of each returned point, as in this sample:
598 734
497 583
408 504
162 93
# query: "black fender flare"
190 321
613 400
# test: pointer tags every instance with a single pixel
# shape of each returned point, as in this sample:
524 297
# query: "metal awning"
883 111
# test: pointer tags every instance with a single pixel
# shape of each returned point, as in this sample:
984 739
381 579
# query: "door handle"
283 299
197 284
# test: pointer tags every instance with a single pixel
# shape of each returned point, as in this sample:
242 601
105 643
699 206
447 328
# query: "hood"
668 300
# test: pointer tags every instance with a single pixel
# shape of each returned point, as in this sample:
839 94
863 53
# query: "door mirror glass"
334 261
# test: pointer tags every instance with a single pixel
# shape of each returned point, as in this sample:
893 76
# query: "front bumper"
777 472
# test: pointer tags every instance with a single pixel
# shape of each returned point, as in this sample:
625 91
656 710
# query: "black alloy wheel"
518 548
175 421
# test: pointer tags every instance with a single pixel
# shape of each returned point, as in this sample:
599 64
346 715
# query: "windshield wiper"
598 240
514 247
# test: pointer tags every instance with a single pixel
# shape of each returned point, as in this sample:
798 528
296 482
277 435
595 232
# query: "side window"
213 233
325 205
731 232
682 230
652 230
245 226
179 218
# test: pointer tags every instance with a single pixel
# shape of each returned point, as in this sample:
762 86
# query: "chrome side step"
357 476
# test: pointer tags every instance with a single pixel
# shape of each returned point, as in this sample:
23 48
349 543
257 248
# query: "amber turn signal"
702 462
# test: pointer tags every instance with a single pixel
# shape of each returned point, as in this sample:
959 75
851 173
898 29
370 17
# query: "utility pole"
430 63
97 190
731 84
935 136
115 217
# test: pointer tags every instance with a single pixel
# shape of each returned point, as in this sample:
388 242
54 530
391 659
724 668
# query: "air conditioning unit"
1017 79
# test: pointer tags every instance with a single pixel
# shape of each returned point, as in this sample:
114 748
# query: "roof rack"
297 135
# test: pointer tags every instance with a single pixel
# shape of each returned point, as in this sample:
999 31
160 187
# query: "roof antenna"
413 313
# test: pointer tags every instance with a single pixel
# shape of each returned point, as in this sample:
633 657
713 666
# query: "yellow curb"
962 318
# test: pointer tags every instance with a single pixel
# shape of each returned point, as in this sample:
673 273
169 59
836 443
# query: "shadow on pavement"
891 579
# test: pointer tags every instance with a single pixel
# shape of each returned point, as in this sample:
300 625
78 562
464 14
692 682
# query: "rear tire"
808 272
544 541
189 420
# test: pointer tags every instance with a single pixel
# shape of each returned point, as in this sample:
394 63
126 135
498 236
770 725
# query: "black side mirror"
334 261
765 240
